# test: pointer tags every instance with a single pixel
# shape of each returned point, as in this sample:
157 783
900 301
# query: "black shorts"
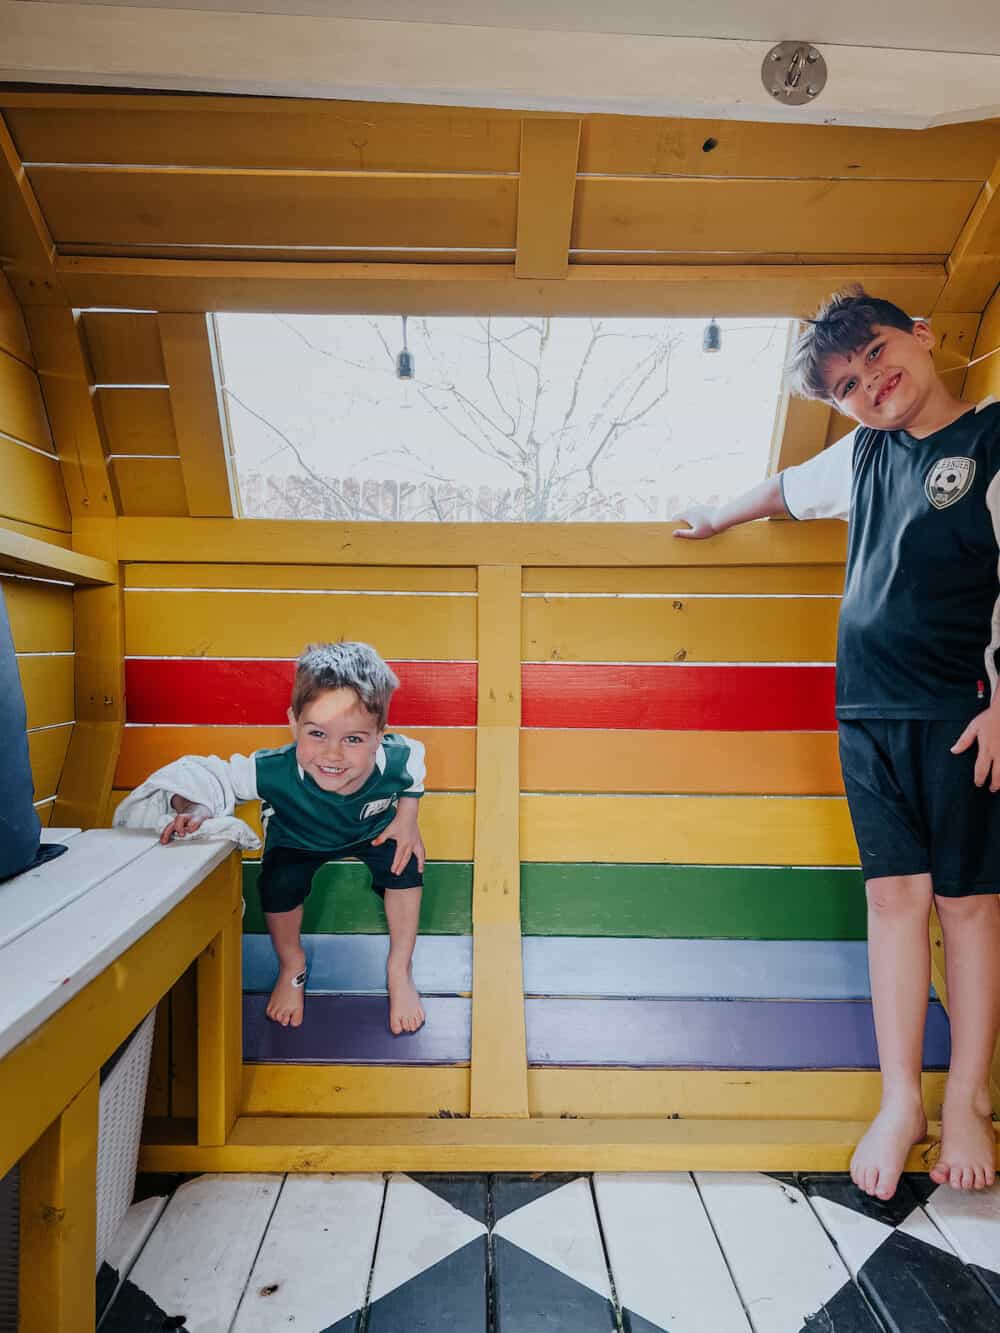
915 807
286 873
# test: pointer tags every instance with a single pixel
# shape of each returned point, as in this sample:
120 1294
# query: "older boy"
344 787
917 701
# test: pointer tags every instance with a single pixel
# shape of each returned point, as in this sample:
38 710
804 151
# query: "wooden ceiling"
129 193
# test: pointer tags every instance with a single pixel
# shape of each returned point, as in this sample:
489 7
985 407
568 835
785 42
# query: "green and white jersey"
297 813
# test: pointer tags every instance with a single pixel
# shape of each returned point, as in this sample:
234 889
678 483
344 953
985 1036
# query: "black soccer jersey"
920 618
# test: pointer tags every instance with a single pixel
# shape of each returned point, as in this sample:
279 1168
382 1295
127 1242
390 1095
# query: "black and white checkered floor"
709 1253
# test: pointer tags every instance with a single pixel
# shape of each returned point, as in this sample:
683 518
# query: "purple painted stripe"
715 1034
354 1029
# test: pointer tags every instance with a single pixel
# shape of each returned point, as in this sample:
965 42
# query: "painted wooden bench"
89 943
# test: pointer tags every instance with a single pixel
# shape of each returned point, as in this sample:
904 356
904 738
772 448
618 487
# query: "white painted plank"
59 834
42 970
198 1260
560 1228
419 1229
666 1262
314 1264
33 897
783 1263
355 964
971 1223
126 1245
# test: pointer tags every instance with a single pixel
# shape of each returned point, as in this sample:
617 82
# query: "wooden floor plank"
126 1245
902 1262
785 1267
667 1266
550 1268
971 1222
430 1265
313 1266
354 1029
355 964
198 1260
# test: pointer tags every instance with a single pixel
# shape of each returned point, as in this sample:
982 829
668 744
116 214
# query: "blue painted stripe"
354 1029
355 964
697 969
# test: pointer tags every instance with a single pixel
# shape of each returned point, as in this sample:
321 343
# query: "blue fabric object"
20 828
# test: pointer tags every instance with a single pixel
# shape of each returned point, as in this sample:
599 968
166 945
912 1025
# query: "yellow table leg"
59 1222
220 1020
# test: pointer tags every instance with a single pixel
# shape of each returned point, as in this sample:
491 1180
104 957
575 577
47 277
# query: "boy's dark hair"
344 665
843 324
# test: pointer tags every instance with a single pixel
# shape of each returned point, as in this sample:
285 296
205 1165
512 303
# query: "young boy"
344 787
917 701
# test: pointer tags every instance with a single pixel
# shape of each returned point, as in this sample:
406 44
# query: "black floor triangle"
466 1193
917 1288
990 1280
634 1323
448 1297
840 1188
921 1185
532 1297
844 1312
135 1312
511 1192
107 1281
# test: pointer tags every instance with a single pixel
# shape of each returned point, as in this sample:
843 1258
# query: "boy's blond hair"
340 666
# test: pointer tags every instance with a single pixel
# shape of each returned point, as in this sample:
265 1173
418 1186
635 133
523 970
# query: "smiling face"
889 382
336 741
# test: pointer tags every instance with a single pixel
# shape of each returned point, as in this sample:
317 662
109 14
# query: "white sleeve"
821 486
415 766
216 783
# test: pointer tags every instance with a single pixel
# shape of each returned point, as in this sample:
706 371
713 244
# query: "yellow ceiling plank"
546 191
340 254
191 364
50 536
65 379
974 264
32 490
152 487
27 250
135 205
22 413
124 347
984 379
953 349
137 421
13 334
441 289
23 550
623 213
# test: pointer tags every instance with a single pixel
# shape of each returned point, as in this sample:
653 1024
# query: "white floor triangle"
920 1227
857 1237
419 1229
971 1221
561 1229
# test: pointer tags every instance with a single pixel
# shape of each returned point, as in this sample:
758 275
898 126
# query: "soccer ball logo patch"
948 480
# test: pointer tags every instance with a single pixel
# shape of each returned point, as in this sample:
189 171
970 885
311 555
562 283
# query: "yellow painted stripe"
689 830
693 629
672 582
274 624
22 413
137 421
349 578
48 754
709 762
41 615
124 347
446 823
32 490
451 752
48 689
355 1090
51 535
149 486
749 1094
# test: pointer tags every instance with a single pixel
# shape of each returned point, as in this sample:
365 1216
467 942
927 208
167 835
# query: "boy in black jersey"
918 706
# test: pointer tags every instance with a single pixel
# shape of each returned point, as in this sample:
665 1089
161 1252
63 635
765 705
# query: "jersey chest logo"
948 480
376 807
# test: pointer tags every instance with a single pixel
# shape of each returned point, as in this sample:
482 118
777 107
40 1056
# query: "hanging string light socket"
404 360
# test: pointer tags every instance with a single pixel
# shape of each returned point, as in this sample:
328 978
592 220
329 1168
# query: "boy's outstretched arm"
761 501
189 818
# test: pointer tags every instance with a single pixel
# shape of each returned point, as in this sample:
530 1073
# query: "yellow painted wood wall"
33 502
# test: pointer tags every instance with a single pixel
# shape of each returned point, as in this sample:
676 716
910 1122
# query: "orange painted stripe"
451 751
793 763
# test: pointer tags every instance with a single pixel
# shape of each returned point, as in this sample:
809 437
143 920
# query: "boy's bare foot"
288 999
968 1144
406 1013
881 1155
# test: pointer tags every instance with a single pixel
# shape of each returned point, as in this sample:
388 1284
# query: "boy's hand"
408 840
984 729
702 522
189 819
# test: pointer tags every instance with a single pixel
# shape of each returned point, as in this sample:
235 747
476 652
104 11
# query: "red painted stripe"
194 690
678 698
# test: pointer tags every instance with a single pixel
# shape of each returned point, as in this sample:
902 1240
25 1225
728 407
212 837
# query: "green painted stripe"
342 902
692 902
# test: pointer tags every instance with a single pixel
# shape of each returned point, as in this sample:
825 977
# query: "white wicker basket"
123 1097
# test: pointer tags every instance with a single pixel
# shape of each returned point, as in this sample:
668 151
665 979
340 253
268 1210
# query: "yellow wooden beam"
27 555
191 363
800 431
984 379
499 1049
59 1222
356 1090
220 1021
545 196
303 1143
27 250
694 289
974 263
289 542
